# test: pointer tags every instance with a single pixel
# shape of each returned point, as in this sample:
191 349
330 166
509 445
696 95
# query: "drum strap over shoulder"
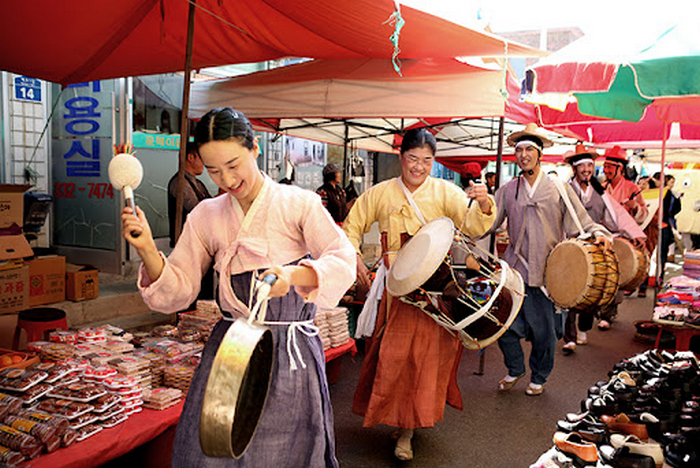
567 202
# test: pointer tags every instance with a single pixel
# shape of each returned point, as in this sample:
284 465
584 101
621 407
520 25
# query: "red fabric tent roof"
82 40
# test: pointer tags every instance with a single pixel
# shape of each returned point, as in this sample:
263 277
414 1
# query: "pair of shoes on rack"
508 382
636 446
572 444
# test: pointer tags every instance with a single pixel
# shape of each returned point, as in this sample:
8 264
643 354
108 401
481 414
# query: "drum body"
581 275
476 301
634 263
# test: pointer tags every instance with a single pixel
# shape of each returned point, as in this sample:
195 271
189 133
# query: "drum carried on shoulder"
476 300
581 275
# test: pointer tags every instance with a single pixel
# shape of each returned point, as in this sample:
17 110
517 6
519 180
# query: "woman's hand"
288 276
136 223
480 194
144 243
363 274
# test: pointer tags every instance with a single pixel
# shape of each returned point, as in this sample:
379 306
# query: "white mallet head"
125 174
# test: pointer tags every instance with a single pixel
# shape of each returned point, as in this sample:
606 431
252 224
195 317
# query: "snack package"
42 432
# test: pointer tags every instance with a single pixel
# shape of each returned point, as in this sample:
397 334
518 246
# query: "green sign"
156 141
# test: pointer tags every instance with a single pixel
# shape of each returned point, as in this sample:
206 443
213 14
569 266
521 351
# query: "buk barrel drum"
581 275
236 390
476 301
634 263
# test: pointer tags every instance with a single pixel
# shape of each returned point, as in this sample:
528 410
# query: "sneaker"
569 348
581 338
604 325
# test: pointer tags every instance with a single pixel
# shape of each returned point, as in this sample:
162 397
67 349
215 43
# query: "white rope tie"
308 328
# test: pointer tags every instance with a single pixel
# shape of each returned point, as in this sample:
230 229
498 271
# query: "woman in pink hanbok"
256 227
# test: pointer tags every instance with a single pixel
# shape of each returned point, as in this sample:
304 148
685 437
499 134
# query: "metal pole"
499 163
184 127
662 184
345 152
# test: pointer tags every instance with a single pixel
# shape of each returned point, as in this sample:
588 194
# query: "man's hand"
603 242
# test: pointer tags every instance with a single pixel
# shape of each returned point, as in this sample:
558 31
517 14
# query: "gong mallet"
125 174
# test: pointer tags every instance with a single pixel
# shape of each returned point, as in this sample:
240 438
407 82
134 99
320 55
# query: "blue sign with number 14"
27 89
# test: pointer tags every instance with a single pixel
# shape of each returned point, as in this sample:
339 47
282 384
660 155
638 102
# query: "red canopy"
82 40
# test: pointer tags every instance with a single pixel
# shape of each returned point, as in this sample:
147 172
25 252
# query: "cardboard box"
14 290
12 204
82 282
47 280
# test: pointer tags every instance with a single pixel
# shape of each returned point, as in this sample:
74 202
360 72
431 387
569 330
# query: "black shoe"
679 452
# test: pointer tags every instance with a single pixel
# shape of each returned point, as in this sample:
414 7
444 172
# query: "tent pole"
184 127
662 184
499 162
345 153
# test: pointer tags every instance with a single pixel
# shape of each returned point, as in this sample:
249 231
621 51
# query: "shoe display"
632 442
646 415
582 451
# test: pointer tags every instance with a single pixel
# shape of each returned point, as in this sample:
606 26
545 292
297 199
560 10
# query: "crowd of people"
311 242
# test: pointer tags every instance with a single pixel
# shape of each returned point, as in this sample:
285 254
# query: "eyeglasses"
416 160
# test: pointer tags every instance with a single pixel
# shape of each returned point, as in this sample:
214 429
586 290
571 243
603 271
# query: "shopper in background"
409 372
332 194
537 221
193 190
672 206
258 227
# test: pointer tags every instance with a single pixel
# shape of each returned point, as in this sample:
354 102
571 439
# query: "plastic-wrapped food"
82 420
17 440
189 335
69 438
67 409
56 352
35 346
10 456
141 337
114 420
53 444
87 431
61 336
32 394
13 403
129 365
42 432
92 335
165 330
117 346
54 369
19 380
112 411
98 374
59 422
79 391
105 402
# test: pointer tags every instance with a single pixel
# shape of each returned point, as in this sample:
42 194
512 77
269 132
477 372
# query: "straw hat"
616 155
420 257
581 153
530 132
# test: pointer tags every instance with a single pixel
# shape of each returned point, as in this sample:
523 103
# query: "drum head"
420 257
568 273
627 260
